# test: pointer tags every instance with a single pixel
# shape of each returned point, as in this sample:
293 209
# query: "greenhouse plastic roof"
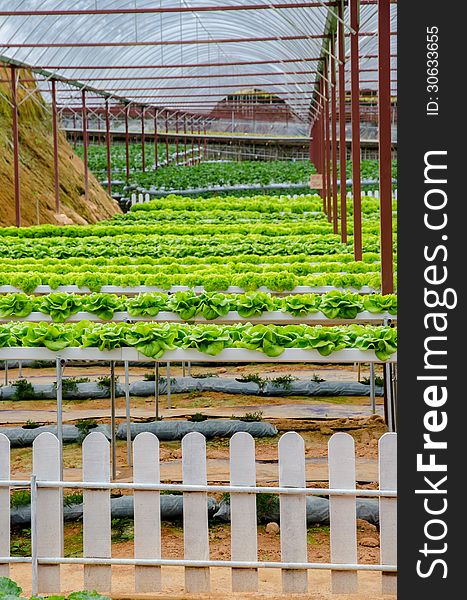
152 49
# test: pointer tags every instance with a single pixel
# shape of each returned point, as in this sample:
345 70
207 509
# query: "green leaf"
15 305
9 588
103 305
60 306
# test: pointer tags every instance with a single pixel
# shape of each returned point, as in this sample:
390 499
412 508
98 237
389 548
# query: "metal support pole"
156 142
85 145
59 373
176 138
169 391
184 139
384 145
128 415
74 132
156 389
55 147
183 369
127 141
20 369
189 368
372 388
205 148
327 148
335 225
6 372
389 409
34 561
355 110
199 141
107 142
342 132
192 139
143 155
166 138
16 167
113 420
323 150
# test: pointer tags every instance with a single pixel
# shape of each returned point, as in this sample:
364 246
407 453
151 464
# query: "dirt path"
173 585
219 539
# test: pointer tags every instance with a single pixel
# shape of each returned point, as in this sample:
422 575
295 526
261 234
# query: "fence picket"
342 512
4 504
244 538
293 526
388 509
147 514
195 512
46 466
96 512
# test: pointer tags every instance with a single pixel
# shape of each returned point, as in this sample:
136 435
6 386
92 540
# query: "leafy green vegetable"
60 306
254 304
9 588
103 305
342 305
15 305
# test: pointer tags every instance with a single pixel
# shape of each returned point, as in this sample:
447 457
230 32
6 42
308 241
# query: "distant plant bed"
226 173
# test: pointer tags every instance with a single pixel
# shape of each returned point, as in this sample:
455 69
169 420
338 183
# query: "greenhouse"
198 298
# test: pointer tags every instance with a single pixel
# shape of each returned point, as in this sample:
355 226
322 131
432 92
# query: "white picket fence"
47 518
372 194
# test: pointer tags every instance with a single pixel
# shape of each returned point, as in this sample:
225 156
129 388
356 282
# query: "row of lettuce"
188 305
178 215
154 340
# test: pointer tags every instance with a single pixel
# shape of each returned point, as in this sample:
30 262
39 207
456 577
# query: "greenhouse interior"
198 298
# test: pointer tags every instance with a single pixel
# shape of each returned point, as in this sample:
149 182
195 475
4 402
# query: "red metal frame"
323 147
327 141
15 127
384 146
74 133
335 224
135 43
156 10
188 65
55 147
192 162
205 141
199 141
184 138
143 154
342 132
355 108
107 143
156 142
127 142
85 145
176 139
166 137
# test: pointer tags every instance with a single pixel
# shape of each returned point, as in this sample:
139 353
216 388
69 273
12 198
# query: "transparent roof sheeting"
180 54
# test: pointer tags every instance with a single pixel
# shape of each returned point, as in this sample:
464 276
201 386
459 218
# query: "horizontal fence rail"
47 536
